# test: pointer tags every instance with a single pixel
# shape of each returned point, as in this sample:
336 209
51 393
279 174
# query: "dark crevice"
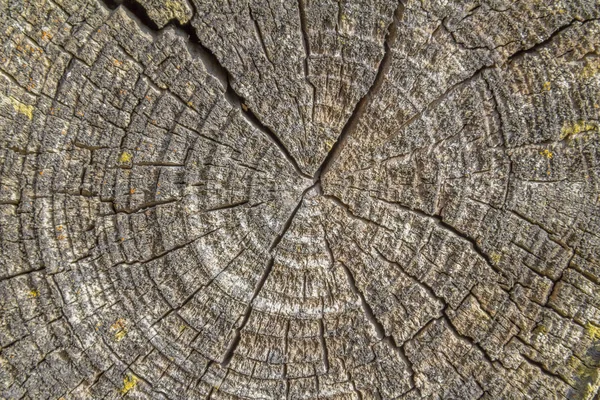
212 65
425 286
233 344
286 226
359 109
468 339
306 46
288 222
237 101
210 61
538 46
323 345
388 340
285 362
16 275
235 341
146 206
377 326
545 371
226 206
446 226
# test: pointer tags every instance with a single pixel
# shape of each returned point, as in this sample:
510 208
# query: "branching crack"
212 65
388 340
446 226
536 47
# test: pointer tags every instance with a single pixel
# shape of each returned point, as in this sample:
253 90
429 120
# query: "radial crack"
378 326
212 65
233 344
306 46
446 226
235 341
360 107
323 345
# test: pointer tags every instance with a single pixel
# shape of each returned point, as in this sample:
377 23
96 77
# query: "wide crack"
212 65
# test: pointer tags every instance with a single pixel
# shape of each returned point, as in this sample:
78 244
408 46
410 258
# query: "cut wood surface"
299 199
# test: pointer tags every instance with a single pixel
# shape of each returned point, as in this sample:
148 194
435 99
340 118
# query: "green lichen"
585 378
175 8
18 106
170 10
590 69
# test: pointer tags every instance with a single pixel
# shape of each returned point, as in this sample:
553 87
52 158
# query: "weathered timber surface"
282 199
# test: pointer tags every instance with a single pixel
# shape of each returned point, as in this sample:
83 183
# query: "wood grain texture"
275 199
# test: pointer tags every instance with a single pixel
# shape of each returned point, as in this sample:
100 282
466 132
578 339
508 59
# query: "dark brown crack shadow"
211 63
235 341
359 109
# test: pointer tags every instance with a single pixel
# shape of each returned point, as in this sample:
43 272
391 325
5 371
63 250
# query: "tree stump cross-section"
299 199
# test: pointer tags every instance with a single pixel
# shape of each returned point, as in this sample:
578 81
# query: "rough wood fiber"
297 200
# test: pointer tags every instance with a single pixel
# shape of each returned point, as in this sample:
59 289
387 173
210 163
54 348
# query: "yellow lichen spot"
590 69
46 35
125 157
592 331
119 329
495 257
571 129
540 329
175 9
120 335
547 153
585 379
22 108
547 86
190 104
182 328
33 293
129 383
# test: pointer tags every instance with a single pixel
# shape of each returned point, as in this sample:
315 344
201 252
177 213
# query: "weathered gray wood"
299 199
